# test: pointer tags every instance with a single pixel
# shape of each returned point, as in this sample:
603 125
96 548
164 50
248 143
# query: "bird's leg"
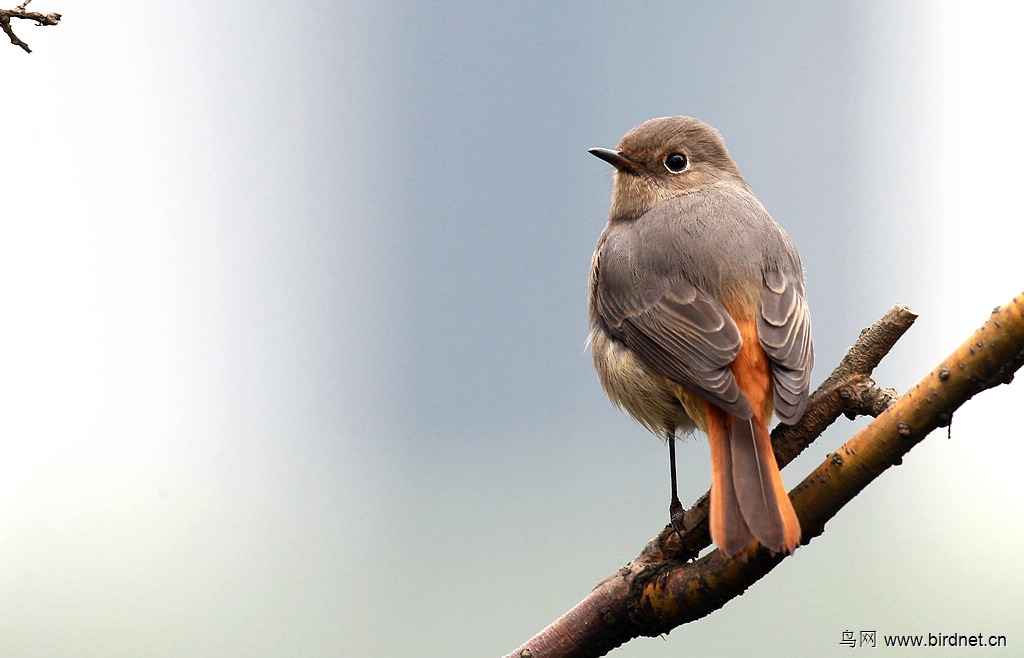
675 508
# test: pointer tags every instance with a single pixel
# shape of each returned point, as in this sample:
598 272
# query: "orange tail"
748 498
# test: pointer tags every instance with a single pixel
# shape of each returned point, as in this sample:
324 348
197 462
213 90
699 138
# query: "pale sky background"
295 307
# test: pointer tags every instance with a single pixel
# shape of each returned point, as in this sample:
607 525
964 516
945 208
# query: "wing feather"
686 336
784 329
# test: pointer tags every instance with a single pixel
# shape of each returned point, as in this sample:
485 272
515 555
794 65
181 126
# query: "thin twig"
20 12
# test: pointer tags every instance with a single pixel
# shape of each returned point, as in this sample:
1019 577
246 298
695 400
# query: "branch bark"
21 12
665 587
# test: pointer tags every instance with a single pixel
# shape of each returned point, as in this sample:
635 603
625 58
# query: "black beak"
616 159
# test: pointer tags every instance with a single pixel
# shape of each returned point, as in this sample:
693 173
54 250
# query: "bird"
699 320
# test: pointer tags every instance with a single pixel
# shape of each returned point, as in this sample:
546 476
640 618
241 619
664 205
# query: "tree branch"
20 12
660 590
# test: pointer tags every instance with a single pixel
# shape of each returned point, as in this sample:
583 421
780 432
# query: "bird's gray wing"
677 329
784 329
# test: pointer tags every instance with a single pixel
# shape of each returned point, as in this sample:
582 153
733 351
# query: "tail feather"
759 489
729 529
752 500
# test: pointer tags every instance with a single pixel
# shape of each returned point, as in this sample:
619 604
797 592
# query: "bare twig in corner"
21 12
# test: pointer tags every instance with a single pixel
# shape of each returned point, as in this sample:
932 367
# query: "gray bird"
698 319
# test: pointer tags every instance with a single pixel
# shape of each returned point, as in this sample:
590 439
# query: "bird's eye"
675 162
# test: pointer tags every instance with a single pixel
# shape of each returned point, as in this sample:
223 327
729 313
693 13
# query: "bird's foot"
675 515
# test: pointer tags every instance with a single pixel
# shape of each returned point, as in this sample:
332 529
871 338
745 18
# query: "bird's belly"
655 401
